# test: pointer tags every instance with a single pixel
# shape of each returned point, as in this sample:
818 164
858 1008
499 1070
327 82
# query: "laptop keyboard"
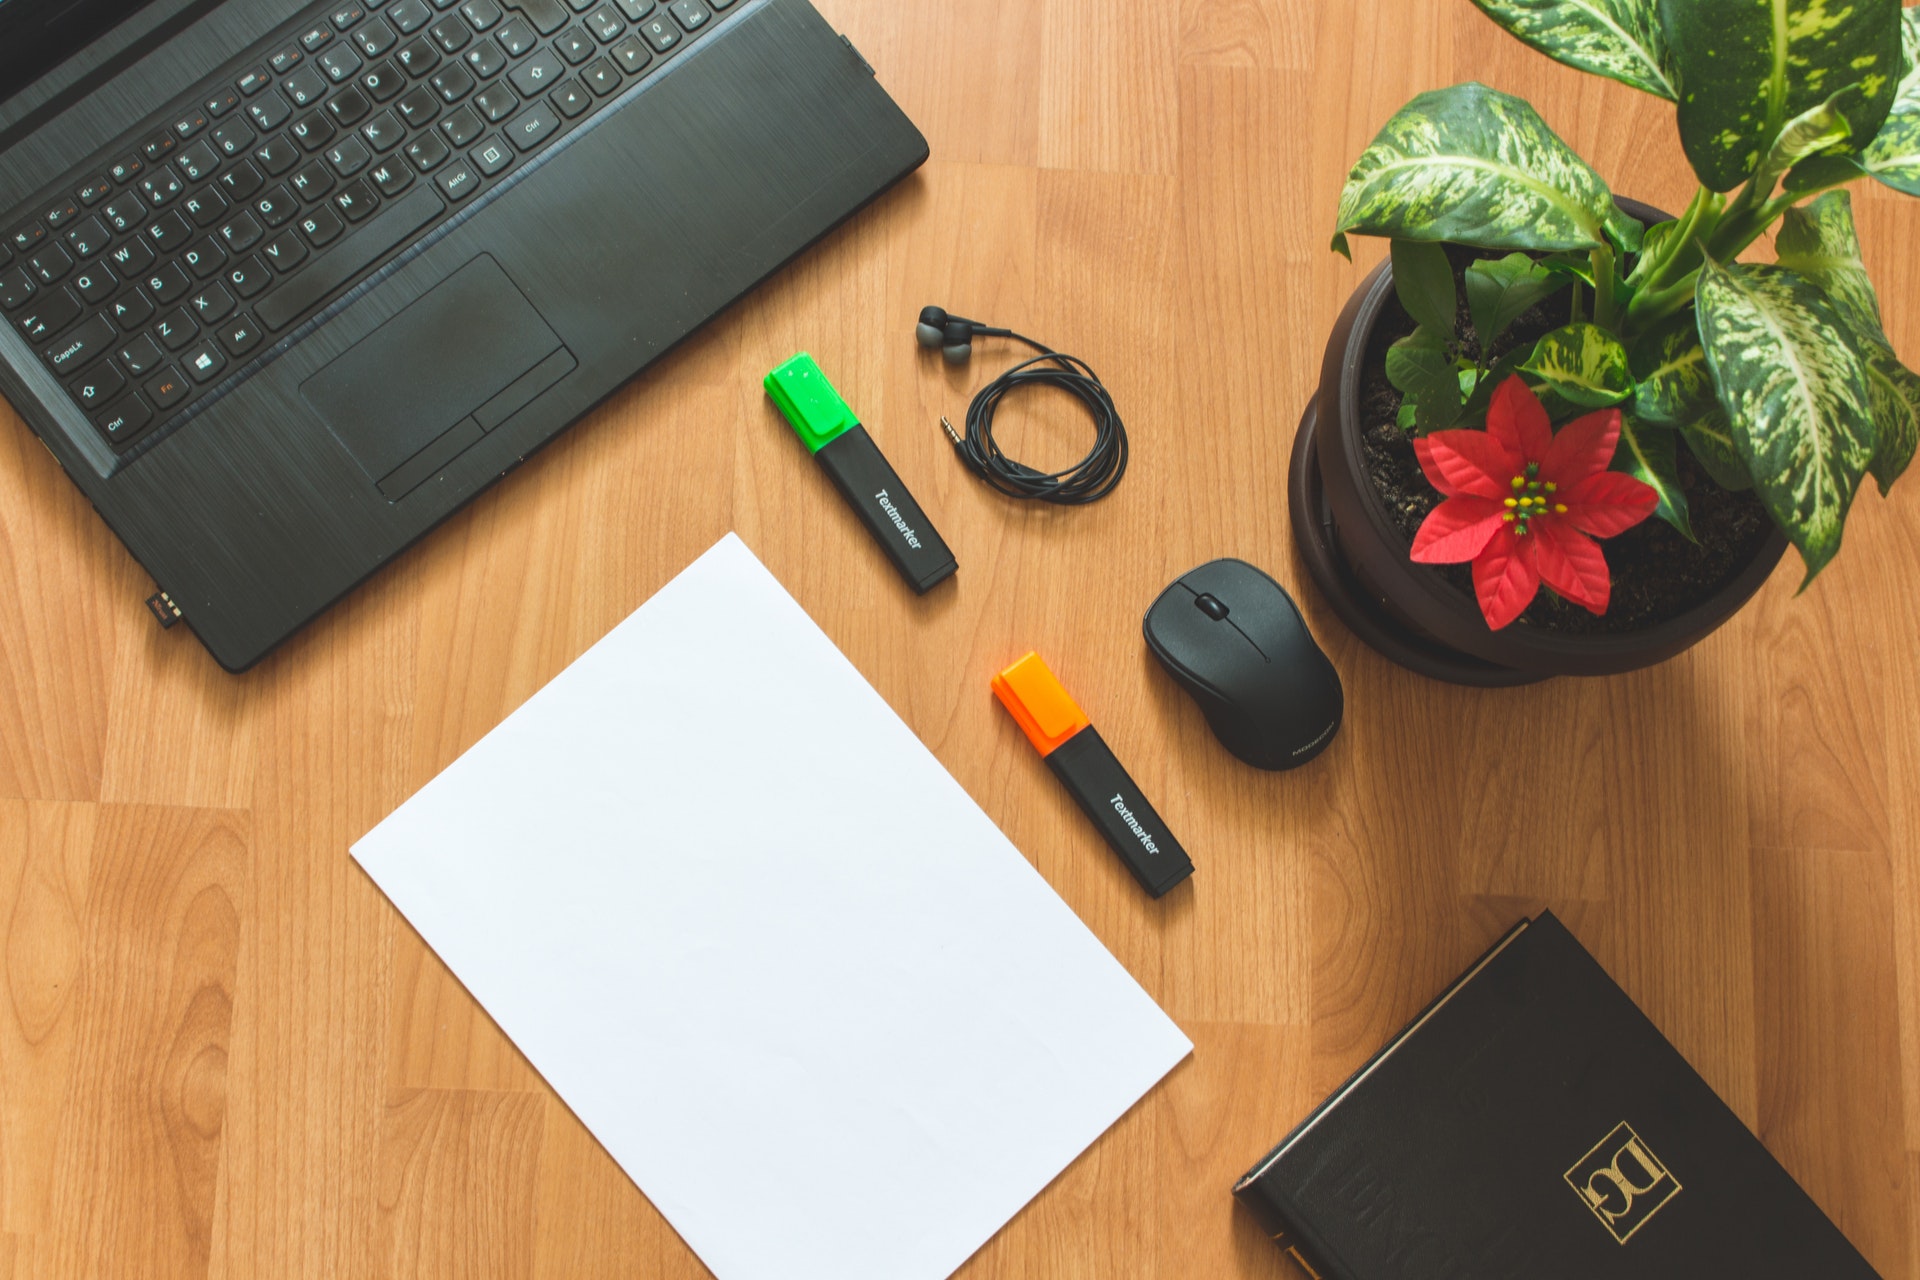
226 223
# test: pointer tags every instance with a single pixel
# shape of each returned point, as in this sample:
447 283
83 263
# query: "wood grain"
223 1055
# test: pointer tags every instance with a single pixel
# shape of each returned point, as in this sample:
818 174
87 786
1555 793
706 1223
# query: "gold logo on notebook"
1623 1182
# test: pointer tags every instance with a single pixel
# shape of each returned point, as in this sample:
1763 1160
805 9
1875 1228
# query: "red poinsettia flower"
1522 500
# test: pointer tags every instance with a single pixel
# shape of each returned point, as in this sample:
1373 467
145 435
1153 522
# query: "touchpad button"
424 371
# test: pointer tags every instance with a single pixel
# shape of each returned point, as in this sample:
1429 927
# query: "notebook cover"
1531 1123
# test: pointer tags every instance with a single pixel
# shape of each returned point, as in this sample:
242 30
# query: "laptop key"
248 277
95 283
341 64
418 57
197 162
537 74
461 127
91 193
131 310
167 390
605 24
497 103
241 181
241 234
277 156
391 177
167 282
452 83
690 14
205 361
660 33
210 304
635 9
349 106
485 59
483 15
304 87
383 81
190 124
160 187
458 182
222 101
124 420
176 329
491 156
125 169
312 131
383 132
451 34
269 112
321 227
98 385
575 45
275 206
232 139
169 231
375 38
632 54
253 82
124 214
419 107
572 99
204 258
315 38
409 16
16 290
89 238
356 200
427 152
396 225
141 356
55 310
285 251
516 37
76 348
547 16
240 335
532 127
51 264
205 206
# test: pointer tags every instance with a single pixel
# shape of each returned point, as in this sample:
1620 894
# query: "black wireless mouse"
1235 640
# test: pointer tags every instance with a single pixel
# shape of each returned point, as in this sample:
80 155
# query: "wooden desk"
223 1054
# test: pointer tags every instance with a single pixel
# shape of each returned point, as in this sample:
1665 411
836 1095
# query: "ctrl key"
121 422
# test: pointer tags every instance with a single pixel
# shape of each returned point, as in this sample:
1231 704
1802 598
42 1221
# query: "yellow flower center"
1529 500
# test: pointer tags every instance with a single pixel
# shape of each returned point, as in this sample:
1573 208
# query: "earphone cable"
1088 480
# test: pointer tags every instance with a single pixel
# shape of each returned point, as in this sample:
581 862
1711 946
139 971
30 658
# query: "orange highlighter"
1080 758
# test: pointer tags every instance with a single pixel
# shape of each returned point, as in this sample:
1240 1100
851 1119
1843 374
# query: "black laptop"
285 285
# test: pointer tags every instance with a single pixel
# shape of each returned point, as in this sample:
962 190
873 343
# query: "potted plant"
1738 406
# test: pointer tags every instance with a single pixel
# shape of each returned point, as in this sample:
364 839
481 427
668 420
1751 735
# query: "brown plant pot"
1412 613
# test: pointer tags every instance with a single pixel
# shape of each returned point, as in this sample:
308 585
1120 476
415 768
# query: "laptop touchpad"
408 392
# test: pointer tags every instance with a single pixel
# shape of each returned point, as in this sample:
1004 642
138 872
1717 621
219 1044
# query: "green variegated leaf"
1423 279
1619 39
1796 394
1745 68
1419 365
1501 290
1478 167
1627 232
1710 440
1672 384
1894 155
1811 133
1818 241
1650 454
1583 363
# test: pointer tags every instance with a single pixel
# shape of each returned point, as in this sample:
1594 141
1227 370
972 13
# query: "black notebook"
1531 1124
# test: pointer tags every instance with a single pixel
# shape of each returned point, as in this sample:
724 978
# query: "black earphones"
1088 480
953 336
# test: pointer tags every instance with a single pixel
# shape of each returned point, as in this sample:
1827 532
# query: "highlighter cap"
818 414
1039 703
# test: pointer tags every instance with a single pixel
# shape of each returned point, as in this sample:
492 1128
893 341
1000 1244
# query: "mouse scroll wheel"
1211 606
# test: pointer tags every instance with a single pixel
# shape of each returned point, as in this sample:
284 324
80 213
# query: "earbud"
953 335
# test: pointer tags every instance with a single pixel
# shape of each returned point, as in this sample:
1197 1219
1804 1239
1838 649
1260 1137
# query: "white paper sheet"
786 971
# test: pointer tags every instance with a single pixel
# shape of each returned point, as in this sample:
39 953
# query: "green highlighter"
844 450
